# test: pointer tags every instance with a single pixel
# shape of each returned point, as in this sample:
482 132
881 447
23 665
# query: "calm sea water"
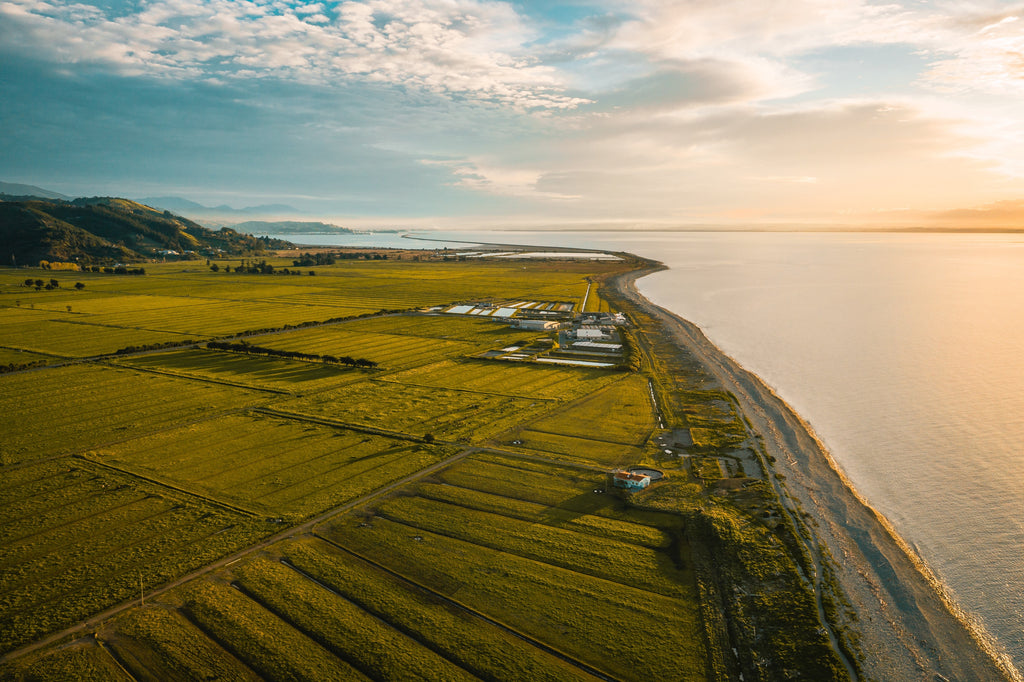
906 355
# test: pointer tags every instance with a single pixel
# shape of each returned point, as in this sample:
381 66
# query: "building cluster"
589 339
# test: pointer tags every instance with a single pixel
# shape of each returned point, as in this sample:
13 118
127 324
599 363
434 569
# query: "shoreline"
908 626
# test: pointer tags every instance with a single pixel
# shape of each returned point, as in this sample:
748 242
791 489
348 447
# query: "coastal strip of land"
906 627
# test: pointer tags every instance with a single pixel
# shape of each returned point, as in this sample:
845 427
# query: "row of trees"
249 349
116 270
39 284
329 258
262 268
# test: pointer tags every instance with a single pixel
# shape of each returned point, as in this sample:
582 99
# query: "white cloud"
461 48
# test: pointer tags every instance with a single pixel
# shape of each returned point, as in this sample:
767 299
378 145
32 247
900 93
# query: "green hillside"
104 229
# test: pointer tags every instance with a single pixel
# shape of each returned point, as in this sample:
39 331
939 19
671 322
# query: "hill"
14 190
289 227
192 208
105 229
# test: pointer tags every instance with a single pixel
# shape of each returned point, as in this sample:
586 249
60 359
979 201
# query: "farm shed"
630 480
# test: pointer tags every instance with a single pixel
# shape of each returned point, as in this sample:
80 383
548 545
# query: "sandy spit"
908 628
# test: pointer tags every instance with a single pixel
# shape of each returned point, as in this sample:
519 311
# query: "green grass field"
52 412
503 554
271 465
446 414
390 351
292 376
76 538
629 631
506 378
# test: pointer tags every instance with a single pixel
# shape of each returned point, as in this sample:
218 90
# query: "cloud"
460 48
978 52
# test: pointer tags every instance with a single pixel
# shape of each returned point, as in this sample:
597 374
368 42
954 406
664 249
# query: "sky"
648 113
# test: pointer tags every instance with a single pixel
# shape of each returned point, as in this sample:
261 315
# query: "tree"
39 283
429 438
30 282
79 286
215 267
54 283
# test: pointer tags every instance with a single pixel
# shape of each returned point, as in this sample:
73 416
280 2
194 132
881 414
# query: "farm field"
306 610
77 538
19 357
390 351
223 318
507 378
622 607
480 333
292 376
446 414
67 336
583 431
440 516
436 578
270 465
55 411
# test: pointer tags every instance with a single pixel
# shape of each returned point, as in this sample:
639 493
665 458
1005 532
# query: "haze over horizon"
534 113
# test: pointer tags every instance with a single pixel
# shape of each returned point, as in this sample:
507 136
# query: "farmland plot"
218 318
435 283
566 489
69 409
570 449
629 400
265 643
480 333
77 538
506 378
318 612
238 368
613 560
556 516
88 305
20 357
367 643
157 643
389 351
630 632
447 414
68 336
272 465
472 643
78 661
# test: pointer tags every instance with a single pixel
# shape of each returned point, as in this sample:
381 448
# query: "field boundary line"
94 622
170 486
509 553
545 460
188 377
464 390
110 443
547 648
342 425
596 440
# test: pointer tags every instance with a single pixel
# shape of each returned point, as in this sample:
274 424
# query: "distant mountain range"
14 190
289 227
107 229
191 208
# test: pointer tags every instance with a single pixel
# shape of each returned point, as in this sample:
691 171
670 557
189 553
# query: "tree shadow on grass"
584 504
